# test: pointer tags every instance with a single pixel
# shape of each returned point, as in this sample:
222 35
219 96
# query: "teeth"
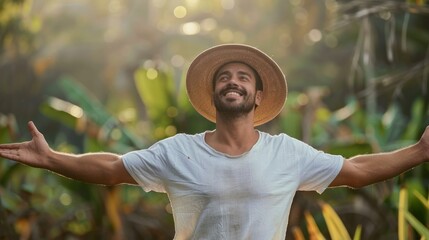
232 93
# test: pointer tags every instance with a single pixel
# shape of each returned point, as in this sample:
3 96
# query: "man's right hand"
32 153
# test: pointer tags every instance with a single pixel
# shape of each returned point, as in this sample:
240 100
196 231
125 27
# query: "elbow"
357 184
350 181
117 175
109 175
112 179
104 180
361 181
111 182
354 176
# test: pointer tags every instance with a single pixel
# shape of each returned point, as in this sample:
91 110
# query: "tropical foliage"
108 76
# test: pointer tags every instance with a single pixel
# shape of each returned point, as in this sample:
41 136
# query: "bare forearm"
100 168
379 167
363 170
91 167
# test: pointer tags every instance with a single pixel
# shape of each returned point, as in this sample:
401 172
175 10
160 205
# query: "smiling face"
235 91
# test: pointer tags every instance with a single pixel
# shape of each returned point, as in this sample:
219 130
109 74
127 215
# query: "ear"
258 97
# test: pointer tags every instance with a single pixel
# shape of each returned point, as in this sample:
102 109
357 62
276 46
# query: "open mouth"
232 92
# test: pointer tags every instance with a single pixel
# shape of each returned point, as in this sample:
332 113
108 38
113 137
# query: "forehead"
235 66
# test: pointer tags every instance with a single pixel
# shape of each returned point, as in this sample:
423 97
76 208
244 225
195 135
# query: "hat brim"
200 75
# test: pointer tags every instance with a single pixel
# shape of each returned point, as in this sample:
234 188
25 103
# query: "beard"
233 109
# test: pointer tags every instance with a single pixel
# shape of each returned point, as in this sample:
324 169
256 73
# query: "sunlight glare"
76 111
190 28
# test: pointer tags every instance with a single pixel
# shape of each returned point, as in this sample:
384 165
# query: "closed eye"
244 76
223 77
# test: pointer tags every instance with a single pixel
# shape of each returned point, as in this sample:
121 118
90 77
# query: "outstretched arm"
363 170
99 168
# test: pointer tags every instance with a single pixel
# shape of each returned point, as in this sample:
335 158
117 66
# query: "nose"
232 83
233 80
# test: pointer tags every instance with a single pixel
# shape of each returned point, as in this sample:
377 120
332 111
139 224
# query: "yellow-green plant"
336 228
406 219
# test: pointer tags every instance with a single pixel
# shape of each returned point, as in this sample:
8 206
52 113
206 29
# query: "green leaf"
422 199
418 226
155 89
358 233
62 111
395 123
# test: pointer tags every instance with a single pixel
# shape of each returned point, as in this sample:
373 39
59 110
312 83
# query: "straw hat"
200 75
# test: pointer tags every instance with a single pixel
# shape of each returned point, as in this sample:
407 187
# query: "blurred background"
108 75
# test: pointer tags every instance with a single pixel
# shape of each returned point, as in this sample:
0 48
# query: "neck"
233 137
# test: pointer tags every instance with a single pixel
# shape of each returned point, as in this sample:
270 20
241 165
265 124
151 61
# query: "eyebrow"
227 72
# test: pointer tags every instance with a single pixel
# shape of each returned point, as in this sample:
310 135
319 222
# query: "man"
234 182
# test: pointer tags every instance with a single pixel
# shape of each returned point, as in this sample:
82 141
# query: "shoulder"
275 138
180 139
168 146
283 140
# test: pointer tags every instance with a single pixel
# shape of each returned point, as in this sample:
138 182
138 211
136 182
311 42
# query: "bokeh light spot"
152 73
170 130
315 35
65 199
191 28
180 12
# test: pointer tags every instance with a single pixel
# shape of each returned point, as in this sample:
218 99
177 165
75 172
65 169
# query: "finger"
10 151
10 154
10 146
32 128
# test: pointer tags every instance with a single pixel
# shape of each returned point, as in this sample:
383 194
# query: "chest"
252 176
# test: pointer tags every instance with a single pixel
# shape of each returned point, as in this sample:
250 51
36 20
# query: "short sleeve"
146 167
317 168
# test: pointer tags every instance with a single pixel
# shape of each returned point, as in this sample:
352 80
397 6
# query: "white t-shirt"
217 196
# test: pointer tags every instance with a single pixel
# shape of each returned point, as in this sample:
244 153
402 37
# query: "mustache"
234 88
